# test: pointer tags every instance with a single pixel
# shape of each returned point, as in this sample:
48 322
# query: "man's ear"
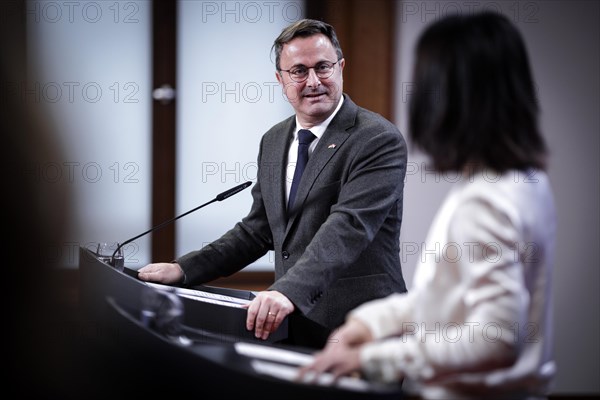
279 78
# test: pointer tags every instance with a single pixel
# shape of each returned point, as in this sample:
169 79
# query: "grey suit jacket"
339 245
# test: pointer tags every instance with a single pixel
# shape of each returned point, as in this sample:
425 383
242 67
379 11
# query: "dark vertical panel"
316 9
372 54
164 56
13 40
366 30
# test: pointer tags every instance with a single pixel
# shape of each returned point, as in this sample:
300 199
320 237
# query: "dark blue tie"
305 137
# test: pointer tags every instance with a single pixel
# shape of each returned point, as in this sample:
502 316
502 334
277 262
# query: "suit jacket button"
285 255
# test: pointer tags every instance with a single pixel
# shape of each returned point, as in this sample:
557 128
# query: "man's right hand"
167 273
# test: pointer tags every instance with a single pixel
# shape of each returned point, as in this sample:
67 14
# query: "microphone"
220 197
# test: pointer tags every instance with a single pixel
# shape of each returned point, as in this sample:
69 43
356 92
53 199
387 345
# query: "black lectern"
169 342
209 311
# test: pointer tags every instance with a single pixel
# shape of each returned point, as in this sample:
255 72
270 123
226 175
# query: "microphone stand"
219 197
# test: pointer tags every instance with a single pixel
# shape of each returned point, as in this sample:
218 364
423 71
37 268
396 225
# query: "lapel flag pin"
331 146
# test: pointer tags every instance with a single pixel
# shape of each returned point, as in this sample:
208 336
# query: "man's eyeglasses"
323 69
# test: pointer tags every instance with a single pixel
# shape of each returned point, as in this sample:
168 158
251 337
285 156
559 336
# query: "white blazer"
477 320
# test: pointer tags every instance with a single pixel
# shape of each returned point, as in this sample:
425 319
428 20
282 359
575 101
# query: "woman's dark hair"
305 28
474 101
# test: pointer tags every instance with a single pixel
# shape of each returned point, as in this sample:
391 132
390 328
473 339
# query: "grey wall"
228 97
563 41
90 68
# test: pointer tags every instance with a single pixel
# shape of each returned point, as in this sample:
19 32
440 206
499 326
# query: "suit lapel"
278 169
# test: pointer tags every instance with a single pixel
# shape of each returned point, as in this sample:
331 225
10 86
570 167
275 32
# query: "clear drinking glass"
105 253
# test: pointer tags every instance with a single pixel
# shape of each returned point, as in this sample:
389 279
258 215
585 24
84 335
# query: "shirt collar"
319 129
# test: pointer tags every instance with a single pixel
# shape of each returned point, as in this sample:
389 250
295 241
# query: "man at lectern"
335 232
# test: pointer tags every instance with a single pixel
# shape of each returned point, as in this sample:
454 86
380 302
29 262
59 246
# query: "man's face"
316 98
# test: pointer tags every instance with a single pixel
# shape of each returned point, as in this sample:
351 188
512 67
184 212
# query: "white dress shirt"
318 131
477 321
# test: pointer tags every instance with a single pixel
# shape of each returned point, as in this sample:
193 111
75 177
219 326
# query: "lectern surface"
216 310
240 368
204 345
